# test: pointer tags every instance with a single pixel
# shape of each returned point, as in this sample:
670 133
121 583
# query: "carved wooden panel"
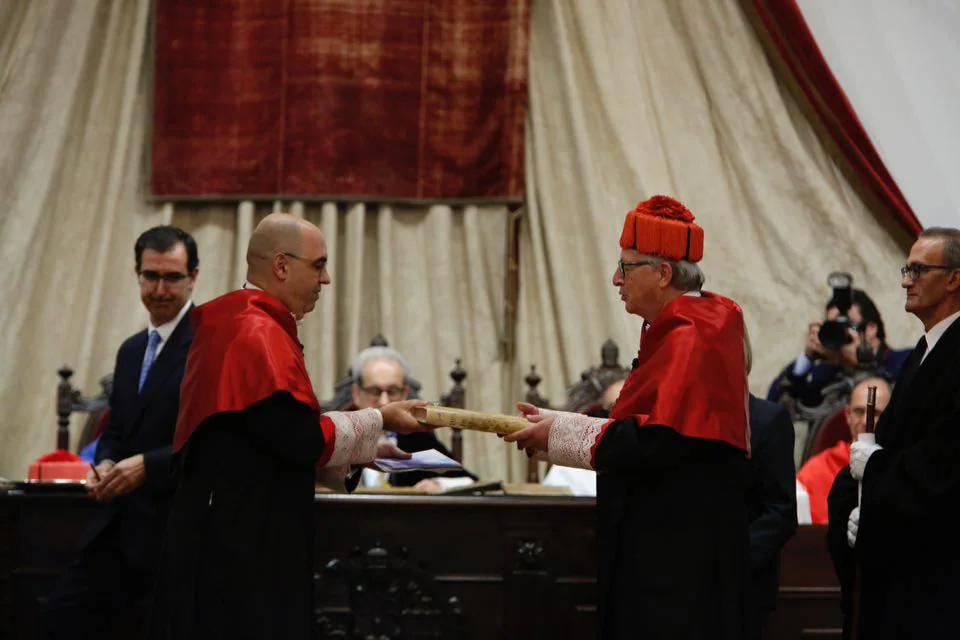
500 567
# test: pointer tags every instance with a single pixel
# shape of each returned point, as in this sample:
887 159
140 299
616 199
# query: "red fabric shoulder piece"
244 350
691 372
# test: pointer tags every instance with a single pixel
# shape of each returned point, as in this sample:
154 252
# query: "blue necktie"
152 343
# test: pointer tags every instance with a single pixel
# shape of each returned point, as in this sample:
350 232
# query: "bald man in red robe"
237 559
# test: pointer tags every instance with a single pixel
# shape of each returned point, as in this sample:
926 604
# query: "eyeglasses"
319 265
641 263
915 270
393 392
153 277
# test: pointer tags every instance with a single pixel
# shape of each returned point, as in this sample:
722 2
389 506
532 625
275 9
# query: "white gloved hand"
853 526
860 453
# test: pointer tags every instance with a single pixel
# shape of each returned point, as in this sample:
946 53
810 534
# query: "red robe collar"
244 350
690 373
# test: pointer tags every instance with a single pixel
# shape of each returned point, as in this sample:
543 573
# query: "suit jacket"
143 423
906 543
771 498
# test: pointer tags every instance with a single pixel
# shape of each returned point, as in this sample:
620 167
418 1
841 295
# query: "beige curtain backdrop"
671 96
631 99
74 114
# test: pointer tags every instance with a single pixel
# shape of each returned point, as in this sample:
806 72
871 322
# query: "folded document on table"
429 460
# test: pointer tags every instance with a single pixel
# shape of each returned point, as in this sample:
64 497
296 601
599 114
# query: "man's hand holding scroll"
398 416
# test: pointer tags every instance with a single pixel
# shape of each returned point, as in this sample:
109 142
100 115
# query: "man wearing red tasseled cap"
672 457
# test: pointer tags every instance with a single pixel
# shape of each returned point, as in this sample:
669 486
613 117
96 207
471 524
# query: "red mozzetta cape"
244 350
691 372
817 477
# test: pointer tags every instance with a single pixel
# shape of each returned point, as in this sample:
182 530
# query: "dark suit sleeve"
903 487
626 447
158 465
108 447
787 383
285 428
807 388
776 490
776 388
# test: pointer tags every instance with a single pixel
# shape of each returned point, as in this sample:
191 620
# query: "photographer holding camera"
850 339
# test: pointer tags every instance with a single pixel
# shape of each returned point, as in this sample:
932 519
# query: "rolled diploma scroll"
470 420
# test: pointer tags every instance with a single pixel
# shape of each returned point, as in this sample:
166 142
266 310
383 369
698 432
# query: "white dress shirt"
166 329
936 332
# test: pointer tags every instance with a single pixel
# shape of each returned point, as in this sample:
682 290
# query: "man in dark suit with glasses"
133 475
901 533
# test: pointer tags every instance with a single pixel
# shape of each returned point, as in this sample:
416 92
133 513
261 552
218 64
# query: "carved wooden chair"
342 399
70 400
583 396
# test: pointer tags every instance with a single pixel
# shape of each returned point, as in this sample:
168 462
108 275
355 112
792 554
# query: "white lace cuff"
357 436
571 438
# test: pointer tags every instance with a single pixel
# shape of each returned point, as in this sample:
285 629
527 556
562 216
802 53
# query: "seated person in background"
819 472
583 482
816 367
380 377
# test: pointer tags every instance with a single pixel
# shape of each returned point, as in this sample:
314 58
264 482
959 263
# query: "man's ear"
355 393
281 267
848 416
953 282
666 274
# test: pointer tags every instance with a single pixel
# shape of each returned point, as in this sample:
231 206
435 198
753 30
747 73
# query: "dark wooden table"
486 567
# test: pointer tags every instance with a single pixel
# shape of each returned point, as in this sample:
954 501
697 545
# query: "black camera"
834 334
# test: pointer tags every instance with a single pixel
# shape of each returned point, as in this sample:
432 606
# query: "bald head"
287 258
277 233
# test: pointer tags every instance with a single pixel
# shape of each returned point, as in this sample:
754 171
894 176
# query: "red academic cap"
663 227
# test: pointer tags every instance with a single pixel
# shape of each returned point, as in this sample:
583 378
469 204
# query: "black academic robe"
237 559
672 535
906 546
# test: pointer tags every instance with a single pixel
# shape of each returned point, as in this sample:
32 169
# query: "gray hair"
951 243
377 353
687 276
